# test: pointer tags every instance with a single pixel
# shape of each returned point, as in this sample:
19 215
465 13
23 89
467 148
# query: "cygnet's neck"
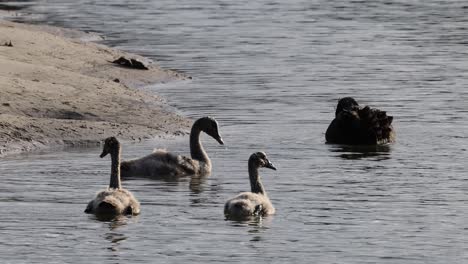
196 148
255 183
115 169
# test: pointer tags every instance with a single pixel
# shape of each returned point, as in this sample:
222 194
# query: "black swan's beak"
350 108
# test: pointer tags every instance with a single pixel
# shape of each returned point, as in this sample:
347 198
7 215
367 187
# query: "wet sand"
57 89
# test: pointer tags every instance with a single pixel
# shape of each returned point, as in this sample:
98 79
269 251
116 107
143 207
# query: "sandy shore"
57 89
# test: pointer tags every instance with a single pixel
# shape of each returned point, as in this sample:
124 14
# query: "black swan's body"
354 125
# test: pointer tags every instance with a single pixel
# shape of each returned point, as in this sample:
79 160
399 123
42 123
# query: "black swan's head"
210 126
346 104
110 144
260 160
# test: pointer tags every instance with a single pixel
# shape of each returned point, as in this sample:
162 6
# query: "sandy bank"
59 90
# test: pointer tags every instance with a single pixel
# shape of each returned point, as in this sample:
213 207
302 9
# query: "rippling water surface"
271 73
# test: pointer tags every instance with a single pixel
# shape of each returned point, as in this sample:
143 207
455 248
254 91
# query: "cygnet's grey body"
165 164
115 200
256 202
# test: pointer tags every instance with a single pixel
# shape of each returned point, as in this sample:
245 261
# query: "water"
271 73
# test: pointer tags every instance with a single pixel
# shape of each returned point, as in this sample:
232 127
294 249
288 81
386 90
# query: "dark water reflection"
271 73
377 153
115 237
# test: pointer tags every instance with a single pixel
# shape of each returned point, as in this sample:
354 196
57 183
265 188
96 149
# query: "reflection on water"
197 183
357 152
114 237
271 73
257 223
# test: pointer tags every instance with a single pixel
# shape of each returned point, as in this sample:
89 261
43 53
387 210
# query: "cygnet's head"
346 104
260 160
110 143
209 126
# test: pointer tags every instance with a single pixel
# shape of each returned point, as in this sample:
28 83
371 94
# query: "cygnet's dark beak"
219 139
270 166
103 154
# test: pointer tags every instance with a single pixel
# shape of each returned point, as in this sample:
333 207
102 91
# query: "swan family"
352 125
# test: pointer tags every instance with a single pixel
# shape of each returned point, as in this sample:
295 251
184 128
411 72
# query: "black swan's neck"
255 183
115 169
196 148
